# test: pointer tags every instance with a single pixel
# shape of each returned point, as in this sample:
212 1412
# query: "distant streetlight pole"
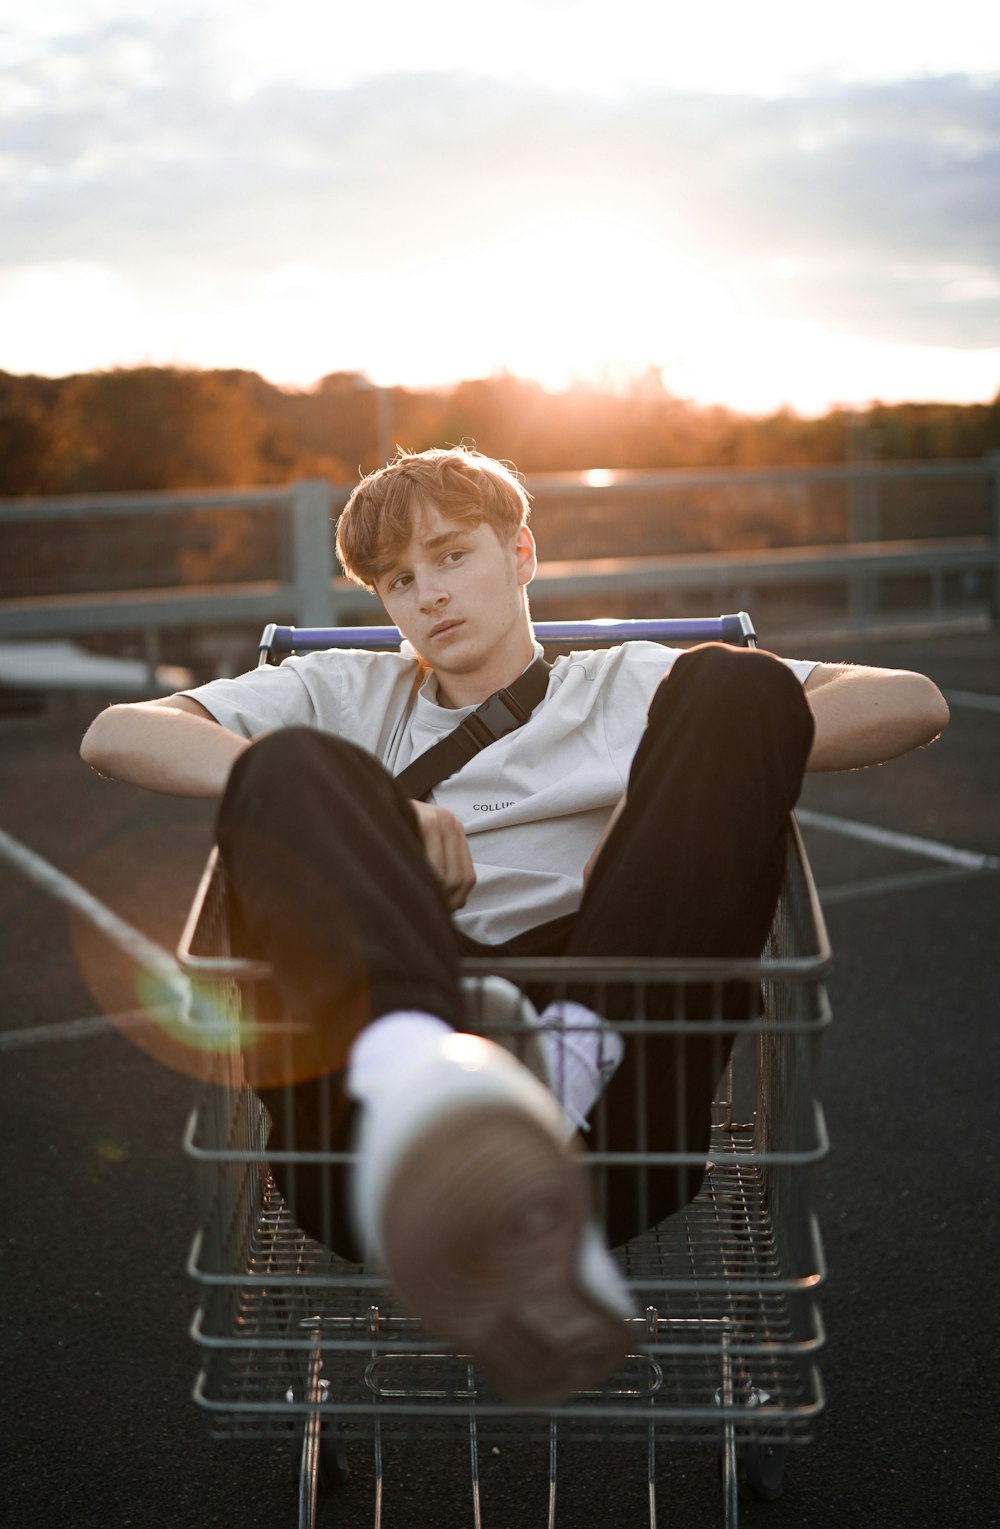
383 421
863 511
862 448
383 417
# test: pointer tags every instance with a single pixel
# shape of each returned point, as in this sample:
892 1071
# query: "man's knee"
293 764
289 752
729 682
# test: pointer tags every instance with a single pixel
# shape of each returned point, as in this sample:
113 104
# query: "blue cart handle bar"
736 629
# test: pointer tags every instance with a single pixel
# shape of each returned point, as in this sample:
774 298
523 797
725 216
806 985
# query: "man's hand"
447 849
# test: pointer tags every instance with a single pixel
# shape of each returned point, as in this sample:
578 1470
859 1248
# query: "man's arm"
172 745
866 716
176 746
863 717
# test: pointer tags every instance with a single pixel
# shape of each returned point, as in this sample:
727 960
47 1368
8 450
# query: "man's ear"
527 557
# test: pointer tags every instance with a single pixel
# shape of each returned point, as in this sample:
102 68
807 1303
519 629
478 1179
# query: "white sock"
583 1053
388 1044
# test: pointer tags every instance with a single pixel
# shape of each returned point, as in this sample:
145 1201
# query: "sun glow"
586 299
581 300
577 300
426 194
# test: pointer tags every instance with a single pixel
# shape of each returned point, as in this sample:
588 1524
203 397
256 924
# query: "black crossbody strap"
503 713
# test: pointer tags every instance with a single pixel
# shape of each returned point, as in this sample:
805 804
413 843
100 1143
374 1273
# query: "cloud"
867 205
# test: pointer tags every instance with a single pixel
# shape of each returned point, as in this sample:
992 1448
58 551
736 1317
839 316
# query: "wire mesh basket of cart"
298 1344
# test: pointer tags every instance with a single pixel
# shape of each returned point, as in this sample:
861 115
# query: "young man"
641 810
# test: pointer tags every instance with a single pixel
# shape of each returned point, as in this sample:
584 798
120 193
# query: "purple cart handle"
736 629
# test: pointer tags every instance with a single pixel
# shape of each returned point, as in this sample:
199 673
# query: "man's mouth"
445 626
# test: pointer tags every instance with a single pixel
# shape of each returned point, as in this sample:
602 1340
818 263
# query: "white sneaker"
499 1010
469 1194
569 1048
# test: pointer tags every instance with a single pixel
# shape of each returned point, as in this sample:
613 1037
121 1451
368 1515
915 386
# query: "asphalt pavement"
99 1204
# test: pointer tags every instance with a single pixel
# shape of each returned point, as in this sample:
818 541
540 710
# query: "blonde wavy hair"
465 485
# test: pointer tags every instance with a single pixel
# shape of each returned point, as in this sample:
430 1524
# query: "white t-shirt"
533 805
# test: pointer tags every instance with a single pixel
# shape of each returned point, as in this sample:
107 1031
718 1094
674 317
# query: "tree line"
173 428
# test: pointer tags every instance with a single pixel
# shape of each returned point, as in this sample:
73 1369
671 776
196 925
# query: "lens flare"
212 1027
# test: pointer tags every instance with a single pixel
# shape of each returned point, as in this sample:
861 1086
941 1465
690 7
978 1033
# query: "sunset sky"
769 204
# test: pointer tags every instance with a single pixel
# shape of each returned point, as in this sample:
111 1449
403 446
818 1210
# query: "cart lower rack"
297 1342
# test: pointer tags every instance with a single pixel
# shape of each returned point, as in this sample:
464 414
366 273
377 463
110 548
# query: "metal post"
312 553
384 426
863 516
477 1510
151 654
993 458
730 1476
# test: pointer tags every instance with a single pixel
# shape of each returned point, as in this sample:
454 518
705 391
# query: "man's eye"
455 556
400 583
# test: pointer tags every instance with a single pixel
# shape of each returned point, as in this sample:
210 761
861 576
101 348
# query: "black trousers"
329 882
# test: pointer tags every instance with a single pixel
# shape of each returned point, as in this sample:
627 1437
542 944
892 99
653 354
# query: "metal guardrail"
305 507
307 592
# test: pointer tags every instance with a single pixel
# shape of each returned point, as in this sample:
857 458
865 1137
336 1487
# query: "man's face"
456 593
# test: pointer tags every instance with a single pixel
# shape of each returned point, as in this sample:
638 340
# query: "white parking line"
878 886
62 1030
139 947
909 844
70 1029
974 699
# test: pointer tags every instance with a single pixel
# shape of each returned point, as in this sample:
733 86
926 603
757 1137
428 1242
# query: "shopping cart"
299 1344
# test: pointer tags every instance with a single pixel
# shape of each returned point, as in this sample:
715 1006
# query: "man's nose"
430 593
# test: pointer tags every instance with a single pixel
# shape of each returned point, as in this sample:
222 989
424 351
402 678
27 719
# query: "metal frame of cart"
297 1343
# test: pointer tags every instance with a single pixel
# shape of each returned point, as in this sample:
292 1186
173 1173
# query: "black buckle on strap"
500 715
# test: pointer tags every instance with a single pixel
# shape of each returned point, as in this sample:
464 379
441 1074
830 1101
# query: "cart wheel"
763 1472
333 1467
760 1470
333 1463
